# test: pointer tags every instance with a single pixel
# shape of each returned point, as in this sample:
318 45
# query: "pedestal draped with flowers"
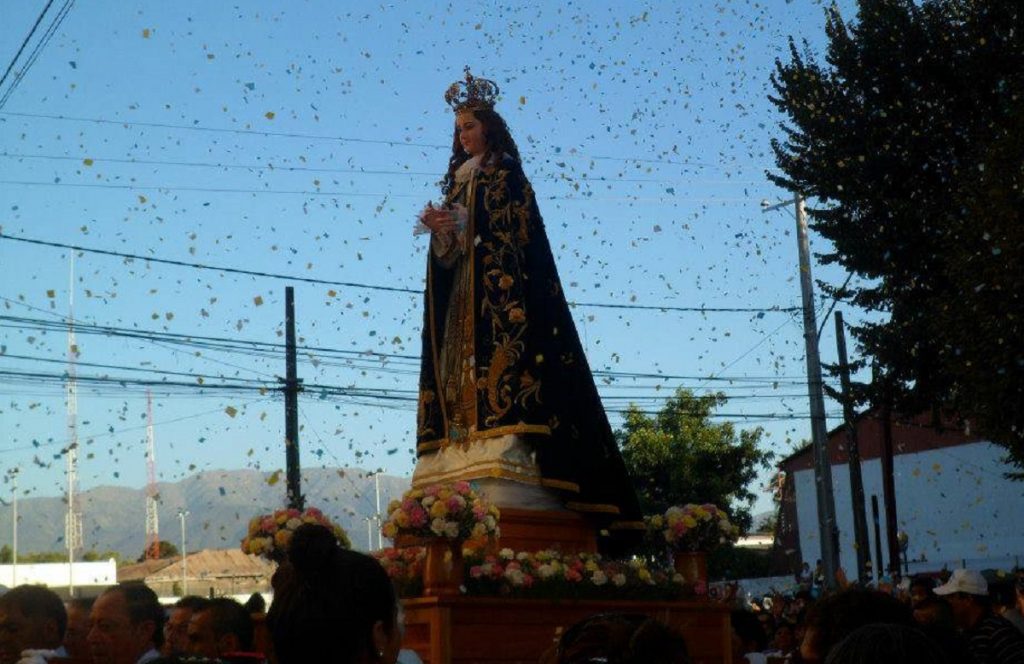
270 534
690 532
441 517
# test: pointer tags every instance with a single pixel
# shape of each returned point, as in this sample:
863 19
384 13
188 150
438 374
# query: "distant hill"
220 504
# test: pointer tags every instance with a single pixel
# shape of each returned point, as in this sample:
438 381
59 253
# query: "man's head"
126 622
78 626
836 616
967 594
176 627
224 626
30 617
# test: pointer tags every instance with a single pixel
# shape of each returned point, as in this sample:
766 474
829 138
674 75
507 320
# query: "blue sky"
301 138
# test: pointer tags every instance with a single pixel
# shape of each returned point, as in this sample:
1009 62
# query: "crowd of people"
332 604
949 618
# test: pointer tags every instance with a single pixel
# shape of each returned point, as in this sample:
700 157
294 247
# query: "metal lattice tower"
152 519
73 518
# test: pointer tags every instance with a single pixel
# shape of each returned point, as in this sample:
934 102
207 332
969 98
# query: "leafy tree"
92 556
6 554
167 550
910 137
680 456
43 557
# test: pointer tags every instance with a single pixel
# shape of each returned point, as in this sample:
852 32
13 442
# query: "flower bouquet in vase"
441 517
690 532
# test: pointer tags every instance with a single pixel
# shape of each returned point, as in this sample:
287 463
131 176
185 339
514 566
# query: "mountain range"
219 505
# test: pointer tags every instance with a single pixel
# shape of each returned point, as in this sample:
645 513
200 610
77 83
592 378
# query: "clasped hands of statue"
442 220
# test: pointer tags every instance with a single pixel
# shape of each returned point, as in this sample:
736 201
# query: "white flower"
515 576
293 523
451 529
678 579
522 555
490 522
507 554
545 571
619 579
428 501
437 526
599 578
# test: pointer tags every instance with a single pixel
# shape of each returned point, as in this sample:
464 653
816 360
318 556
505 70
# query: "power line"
585 197
375 287
89 160
31 32
43 42
275 348
341 139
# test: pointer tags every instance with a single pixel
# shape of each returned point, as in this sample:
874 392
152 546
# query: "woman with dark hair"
506 397
335 605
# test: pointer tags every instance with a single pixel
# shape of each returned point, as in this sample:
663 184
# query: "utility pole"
860 522
377 516
14 526
291 388
828 533
880 566
888 479
182 513
72 519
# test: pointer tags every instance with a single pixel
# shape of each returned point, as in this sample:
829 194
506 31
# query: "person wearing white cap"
991 639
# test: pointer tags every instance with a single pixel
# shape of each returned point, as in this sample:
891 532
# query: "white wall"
56 575
954 504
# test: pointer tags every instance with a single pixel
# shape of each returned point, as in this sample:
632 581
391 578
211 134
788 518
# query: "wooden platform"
536 530
492 630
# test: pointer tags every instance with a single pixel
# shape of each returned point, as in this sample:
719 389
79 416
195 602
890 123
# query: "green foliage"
92 556
167 550
680 456
43 557
6 555
734 562
911 138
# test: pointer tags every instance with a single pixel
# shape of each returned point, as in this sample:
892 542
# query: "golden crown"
472 93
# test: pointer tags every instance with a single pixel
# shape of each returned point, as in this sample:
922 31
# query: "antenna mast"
73 519
152 520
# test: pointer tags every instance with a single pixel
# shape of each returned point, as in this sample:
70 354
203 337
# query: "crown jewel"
472 93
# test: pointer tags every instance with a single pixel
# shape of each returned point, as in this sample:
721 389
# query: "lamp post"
182 513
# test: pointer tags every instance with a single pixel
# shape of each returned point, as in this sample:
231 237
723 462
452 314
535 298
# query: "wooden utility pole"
889 481
860 522
827 530
291 388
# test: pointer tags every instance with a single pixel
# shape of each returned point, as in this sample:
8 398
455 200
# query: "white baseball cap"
964 581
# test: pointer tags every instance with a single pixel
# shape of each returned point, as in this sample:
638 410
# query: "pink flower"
476 571
573 575
432 490
462 488
417 517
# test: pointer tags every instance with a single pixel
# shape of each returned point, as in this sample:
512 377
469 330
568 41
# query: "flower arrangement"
450 511
692 528
543 574
269 535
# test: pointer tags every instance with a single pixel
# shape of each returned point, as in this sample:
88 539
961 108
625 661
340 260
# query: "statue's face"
471 133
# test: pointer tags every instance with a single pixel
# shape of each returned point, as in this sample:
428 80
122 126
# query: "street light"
182 513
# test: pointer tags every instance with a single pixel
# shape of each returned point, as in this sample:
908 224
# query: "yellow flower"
689 522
